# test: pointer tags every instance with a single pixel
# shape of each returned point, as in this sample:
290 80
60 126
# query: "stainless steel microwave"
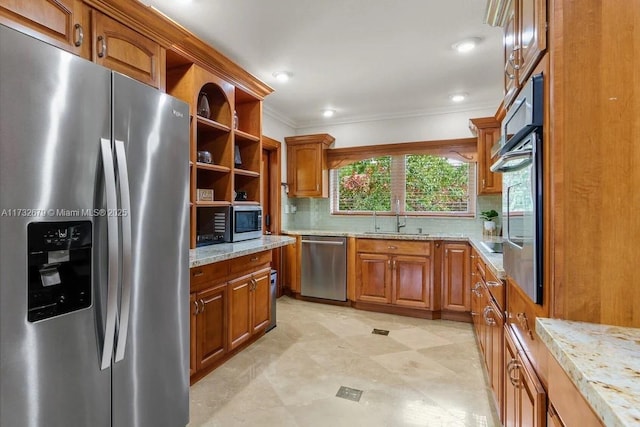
525 114
227 224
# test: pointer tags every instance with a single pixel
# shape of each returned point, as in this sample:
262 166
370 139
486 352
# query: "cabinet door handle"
389 262
493 284
394 264
202 306
485 315
195 303
508 74
514 365
198 274
80 35
102 46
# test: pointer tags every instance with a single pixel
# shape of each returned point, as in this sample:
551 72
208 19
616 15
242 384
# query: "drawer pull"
493 284
254 259
198 274
392 247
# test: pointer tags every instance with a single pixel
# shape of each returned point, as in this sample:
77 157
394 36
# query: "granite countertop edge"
493 260
224 251
599 360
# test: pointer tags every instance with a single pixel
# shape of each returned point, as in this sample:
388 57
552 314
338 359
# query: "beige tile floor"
425 373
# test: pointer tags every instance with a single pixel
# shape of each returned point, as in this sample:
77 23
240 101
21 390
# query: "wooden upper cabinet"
525 39
62 23
532 23
487 129
122 49
456 277
511 46
307 172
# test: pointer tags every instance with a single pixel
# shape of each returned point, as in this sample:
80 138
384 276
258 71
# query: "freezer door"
151 382
54 109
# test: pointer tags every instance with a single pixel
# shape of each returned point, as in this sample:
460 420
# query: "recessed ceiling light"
466 45
328 113
458 97
282 76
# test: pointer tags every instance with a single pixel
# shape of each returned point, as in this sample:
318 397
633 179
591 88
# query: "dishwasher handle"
323 242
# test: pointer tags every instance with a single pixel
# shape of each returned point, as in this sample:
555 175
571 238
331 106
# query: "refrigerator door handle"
113 244
125 215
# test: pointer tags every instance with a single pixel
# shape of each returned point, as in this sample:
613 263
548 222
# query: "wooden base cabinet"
411 284
249 306
525 398
374 274
230 307
397 273
456 276
211 325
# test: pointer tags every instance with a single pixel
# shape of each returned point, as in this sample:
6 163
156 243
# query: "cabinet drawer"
202 276
496 288
245 264
569 404
521 316
394 247
481 268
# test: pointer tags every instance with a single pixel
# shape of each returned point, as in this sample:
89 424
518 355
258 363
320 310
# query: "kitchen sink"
495 247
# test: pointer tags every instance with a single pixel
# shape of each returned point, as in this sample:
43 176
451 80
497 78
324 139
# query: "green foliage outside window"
431 184
435 184
366 185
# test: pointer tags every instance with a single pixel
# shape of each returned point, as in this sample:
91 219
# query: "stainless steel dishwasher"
324 267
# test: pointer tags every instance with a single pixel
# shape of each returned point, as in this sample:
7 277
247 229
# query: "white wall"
276 129
408 129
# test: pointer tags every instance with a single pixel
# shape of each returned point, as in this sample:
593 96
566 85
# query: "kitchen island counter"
223 251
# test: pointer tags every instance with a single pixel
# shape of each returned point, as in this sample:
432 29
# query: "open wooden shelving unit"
218 135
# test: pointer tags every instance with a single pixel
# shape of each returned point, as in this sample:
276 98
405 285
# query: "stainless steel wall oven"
520 162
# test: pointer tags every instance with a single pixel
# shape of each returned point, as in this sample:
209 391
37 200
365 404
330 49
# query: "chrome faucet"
398 225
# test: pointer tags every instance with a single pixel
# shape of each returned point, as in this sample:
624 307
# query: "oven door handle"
501 165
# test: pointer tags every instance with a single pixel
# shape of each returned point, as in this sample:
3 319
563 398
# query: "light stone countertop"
223 251
602 361
493 260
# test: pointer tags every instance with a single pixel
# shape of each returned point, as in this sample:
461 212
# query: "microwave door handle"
501 164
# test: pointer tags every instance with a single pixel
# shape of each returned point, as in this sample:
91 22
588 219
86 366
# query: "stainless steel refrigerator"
94 296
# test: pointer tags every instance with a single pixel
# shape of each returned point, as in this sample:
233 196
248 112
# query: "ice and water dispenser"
59 260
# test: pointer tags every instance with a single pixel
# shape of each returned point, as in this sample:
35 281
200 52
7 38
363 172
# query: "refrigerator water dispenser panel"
59 262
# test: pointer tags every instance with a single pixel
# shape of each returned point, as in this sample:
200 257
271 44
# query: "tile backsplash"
314 214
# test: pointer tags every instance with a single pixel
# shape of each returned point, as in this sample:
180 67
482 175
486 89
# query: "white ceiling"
366 59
